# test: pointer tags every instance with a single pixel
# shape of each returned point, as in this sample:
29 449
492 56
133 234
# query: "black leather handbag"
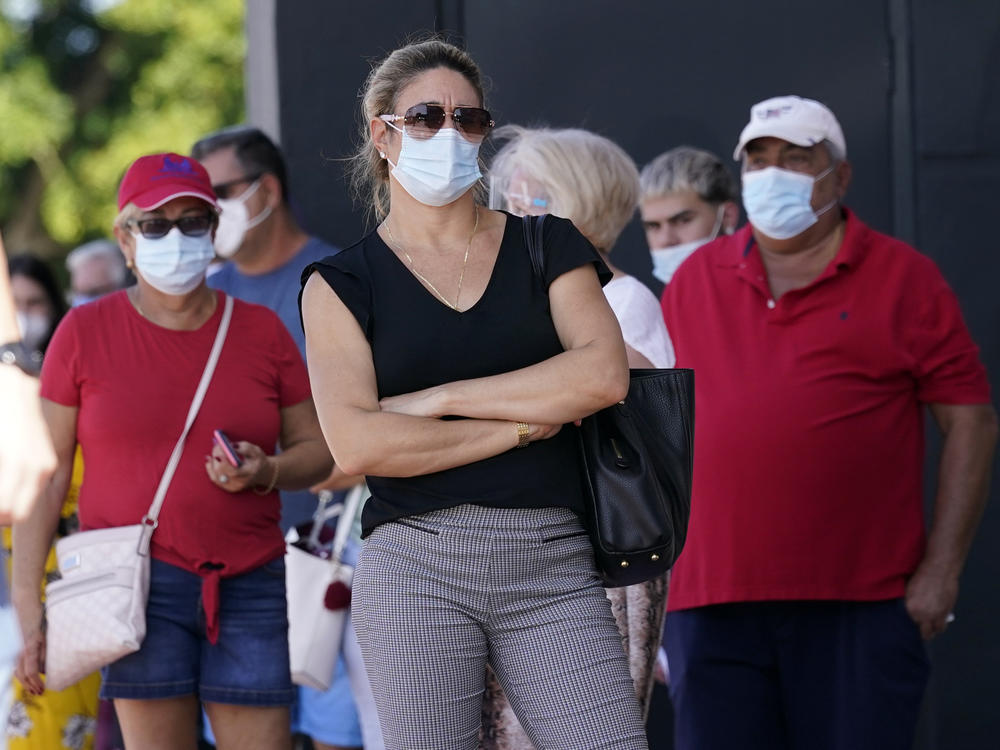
637 458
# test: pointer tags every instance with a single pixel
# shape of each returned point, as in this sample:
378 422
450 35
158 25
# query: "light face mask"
175 263
777 201
436 171
33 327
235 222
666 260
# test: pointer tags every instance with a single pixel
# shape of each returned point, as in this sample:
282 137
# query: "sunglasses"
424 120
197 225
224 190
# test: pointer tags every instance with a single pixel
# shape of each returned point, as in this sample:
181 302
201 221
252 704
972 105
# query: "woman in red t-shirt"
118 379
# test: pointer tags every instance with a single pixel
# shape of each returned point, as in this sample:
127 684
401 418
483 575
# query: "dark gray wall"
915 84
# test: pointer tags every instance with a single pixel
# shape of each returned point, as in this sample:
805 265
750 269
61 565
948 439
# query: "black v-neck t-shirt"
418 342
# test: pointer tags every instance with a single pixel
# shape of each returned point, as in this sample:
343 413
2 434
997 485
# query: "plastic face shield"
518 196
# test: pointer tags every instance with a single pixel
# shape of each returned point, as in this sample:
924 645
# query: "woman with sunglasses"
450 376
118 378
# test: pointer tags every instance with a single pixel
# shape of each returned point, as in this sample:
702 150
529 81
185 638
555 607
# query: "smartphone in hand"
220 439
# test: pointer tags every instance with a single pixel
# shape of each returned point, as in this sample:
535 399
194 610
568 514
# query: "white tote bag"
315 631
96 612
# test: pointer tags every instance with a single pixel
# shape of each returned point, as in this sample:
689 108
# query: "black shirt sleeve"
346 277
565 248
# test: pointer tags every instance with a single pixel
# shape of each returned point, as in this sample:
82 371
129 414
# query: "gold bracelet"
274 481
523 433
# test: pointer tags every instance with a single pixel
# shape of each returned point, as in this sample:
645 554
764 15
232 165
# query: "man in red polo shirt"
799 608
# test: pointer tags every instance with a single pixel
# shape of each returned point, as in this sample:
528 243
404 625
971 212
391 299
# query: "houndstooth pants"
437 596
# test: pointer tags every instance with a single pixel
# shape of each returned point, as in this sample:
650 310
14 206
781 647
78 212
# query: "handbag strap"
532 228
346 522
149 521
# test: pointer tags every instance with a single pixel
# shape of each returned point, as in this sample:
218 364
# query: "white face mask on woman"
666 260
235 222
33 327
175 263
437 170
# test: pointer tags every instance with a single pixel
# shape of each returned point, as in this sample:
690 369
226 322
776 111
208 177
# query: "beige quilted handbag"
96 612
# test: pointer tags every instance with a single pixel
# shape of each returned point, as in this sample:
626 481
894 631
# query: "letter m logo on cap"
174 166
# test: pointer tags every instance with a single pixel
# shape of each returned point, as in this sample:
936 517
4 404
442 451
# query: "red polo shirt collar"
852 248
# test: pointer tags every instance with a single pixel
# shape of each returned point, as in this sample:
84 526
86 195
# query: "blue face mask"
778 201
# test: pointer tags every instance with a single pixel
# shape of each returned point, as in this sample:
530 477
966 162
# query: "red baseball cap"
153 180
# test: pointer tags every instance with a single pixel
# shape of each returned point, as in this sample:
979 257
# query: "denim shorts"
249 664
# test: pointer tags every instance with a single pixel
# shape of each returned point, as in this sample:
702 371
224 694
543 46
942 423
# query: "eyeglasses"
224 189
193 226
424 120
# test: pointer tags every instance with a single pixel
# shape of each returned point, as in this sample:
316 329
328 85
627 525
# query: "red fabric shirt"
133 382
809 421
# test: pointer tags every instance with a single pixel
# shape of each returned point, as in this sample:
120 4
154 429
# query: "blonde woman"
475 552
590 180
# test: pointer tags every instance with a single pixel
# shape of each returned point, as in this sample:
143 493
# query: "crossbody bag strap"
149 521
532 228
346 522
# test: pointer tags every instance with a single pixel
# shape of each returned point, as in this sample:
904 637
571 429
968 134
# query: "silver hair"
105 249
688 168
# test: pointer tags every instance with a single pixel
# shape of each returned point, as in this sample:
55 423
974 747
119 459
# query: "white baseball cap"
804 122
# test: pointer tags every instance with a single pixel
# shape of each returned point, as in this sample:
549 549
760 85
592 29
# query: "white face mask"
175 263
235 221
33 327
436 171
666 260
779 202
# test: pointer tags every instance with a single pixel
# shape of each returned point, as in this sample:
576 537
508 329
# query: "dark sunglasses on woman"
424 120
193 226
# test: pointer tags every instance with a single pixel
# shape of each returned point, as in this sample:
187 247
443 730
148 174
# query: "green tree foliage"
87 86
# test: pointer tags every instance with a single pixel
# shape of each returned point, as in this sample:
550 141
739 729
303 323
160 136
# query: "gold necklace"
461 278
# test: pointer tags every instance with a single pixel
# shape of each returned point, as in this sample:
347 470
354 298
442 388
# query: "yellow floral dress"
67 718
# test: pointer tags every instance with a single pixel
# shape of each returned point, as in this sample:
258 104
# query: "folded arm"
590 374
362 437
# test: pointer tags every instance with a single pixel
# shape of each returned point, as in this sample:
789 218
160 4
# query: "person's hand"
930 599
27 458
257 469
31 660
338 480
425 403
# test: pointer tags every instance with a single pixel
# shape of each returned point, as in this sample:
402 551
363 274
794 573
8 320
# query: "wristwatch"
17 354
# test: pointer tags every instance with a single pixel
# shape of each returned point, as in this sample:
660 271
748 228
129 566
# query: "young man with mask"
687 197
800 607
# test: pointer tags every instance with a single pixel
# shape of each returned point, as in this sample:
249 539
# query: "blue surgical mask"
778 201
666 260
175 263
437 170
